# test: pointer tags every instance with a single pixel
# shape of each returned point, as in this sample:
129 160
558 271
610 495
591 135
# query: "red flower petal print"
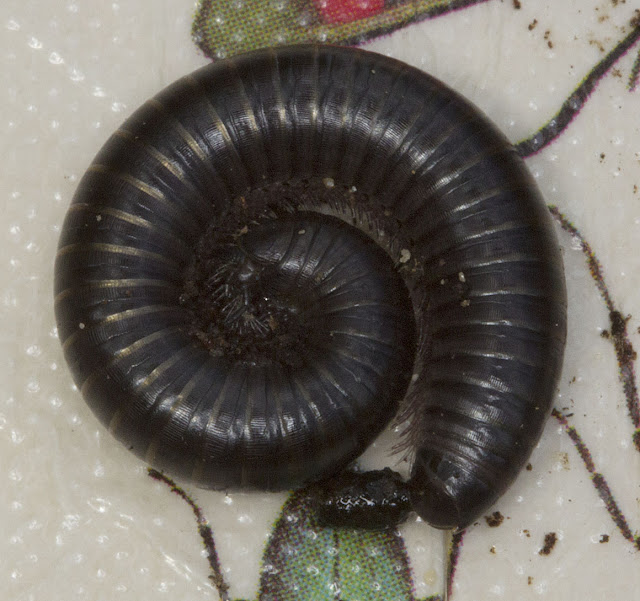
345 11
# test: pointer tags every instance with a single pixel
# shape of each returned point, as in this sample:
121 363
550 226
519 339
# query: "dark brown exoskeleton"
263 255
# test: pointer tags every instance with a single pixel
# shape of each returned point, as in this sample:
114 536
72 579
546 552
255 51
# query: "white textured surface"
79 519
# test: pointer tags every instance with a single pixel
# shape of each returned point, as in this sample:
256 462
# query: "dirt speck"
563 458
550 540
494 520
547 37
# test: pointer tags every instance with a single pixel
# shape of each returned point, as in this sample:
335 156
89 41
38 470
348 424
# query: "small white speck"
98 504
300 232
81 326
405 255
76 75
17 437
55 59
98 217
461 277
328 182
33 386
15 475
34 350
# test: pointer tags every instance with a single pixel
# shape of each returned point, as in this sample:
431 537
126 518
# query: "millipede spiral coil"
274 254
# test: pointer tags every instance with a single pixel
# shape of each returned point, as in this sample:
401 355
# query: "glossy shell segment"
480 262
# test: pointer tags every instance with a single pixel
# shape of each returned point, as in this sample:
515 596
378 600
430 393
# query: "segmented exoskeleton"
261 190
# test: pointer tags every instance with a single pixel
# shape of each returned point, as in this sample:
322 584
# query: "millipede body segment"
277 251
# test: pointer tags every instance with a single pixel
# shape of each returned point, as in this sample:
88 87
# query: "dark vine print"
204 530
598 480
453 559
618 334
576 101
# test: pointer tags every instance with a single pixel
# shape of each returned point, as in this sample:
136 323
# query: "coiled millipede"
273 252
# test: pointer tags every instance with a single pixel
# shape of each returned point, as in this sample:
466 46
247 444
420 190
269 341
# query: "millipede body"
277 252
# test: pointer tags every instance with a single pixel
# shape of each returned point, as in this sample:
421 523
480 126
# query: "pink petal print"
345 11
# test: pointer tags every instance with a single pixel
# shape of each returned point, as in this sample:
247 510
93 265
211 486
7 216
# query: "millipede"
282 251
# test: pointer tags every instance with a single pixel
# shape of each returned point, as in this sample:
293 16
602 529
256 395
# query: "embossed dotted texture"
81 519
